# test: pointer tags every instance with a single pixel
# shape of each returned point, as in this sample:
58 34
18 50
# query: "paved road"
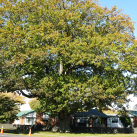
9 135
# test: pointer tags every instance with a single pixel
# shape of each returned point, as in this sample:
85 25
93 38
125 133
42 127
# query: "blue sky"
129 7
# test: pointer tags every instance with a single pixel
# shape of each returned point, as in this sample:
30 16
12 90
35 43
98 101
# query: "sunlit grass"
54 134
50 134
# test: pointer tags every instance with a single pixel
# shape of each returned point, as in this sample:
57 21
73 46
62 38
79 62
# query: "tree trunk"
60 68
63 126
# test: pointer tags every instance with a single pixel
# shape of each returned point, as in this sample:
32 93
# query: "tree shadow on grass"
75 130
15 131
24 129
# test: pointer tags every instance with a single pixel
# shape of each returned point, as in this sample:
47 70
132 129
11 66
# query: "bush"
126 121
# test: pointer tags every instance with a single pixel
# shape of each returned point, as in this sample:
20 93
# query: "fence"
7 126
26 127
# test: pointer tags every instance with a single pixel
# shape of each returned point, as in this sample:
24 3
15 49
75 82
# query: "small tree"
8 107
125 120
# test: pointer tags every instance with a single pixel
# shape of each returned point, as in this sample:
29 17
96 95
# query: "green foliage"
126 121
8 108
34 104
71 55
124 116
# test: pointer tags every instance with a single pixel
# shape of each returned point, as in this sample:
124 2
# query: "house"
114 121
91 118
26 118
134 117
30 117
44 119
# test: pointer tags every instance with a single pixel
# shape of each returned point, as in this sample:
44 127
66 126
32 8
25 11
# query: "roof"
112 115
134 113
90 113
24 112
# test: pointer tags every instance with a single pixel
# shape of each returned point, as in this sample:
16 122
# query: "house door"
104 122
22 120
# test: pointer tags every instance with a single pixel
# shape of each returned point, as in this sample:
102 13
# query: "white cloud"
133 102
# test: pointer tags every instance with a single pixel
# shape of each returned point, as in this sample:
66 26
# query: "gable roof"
24 112
112 115
134 113
90 113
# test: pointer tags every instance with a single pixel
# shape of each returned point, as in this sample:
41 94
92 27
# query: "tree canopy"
34 104
15 97
71 54
9 106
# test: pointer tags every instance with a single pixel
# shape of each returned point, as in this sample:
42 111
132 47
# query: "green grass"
51 134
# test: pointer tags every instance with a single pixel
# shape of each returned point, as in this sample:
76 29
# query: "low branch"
27 95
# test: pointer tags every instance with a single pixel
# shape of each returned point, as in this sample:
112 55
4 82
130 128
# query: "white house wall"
131 122
81 120
45 116
31 115
17 121
117 125
30 121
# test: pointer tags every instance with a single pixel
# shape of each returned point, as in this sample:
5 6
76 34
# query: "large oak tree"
72 55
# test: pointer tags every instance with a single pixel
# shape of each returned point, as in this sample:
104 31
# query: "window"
28 120
45 117
114 120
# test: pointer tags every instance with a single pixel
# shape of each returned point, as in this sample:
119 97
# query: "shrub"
126 121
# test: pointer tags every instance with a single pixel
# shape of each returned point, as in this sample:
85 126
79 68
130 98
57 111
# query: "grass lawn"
51 134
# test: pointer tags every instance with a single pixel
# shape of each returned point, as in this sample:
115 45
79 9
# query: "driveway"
9 135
